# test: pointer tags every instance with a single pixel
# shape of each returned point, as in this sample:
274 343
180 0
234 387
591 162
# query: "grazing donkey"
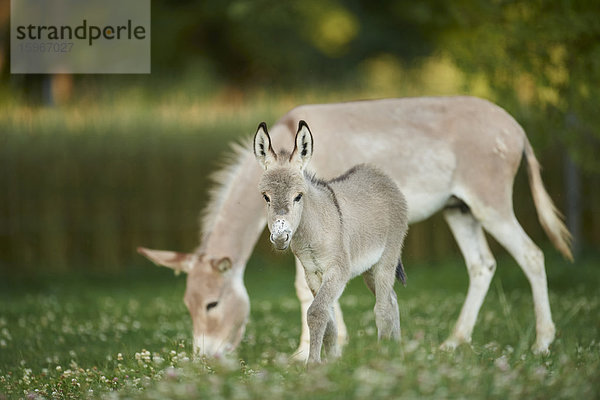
458 155
351 225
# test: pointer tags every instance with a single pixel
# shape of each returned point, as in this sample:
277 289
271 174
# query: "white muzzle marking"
281 234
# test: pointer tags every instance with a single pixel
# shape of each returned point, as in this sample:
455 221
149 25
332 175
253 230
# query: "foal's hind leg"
387 317
481 267
509 233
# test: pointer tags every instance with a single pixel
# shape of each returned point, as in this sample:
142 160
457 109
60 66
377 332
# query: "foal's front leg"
330 338
306 297
320 316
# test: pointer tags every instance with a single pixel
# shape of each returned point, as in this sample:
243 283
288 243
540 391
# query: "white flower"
171 373
502 364
157 359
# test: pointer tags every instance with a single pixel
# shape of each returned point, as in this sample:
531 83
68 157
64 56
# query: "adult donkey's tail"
550 218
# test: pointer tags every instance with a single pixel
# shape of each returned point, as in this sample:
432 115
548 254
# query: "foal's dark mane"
312 178
326 185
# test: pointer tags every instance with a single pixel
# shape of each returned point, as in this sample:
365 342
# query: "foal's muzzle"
281 234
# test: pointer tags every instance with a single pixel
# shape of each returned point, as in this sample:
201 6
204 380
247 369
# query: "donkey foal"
351 225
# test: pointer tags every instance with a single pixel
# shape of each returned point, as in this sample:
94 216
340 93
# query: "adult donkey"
456 154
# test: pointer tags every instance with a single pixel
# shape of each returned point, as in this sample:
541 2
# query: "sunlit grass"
130 337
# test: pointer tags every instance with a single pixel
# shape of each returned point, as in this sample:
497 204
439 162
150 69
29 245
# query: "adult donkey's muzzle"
281 234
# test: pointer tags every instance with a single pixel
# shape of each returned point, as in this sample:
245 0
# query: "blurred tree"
288 43
541 57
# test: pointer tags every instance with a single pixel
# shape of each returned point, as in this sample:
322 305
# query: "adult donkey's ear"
262 147
303 149
179 262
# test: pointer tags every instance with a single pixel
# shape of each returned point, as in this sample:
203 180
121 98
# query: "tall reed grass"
82 186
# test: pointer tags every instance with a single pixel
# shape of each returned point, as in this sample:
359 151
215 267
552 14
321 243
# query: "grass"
128 336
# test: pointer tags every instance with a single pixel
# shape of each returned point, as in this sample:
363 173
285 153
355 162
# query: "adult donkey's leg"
509 233
305 296
481 267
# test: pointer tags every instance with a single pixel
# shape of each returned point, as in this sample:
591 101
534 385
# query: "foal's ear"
262 147
303 149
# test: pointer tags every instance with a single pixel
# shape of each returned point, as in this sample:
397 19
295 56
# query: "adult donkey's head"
219 305
283 184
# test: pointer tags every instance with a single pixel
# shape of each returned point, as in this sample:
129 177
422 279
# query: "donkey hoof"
334 353
301 353
543 340
312 362
449 345
300 356
540 349
452 343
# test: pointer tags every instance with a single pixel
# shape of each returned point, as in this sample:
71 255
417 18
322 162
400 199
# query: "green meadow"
129 336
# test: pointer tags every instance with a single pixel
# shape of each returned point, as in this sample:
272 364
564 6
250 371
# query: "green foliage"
541 58
285 44
84 336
